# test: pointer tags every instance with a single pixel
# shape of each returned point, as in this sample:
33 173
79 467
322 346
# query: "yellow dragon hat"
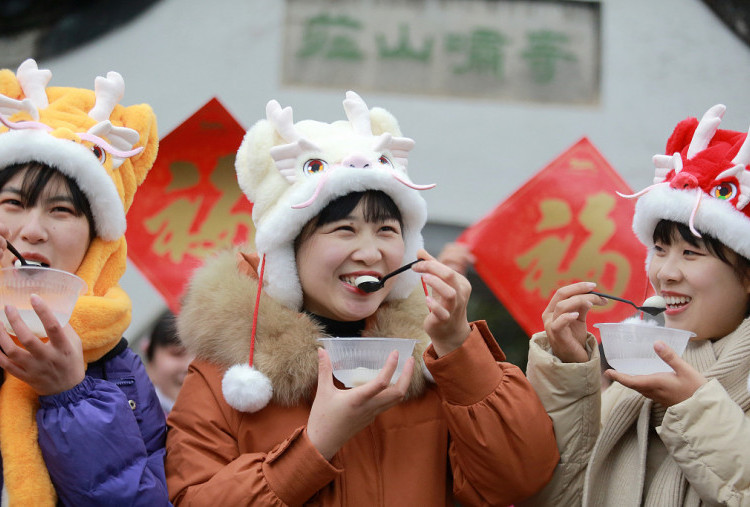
107 149
112 147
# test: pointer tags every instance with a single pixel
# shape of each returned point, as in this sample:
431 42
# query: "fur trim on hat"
76 162
715 217
364 153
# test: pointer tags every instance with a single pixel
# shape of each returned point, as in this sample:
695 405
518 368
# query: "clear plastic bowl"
629 347
59 289
356 361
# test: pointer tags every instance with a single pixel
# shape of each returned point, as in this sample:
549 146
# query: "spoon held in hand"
653 305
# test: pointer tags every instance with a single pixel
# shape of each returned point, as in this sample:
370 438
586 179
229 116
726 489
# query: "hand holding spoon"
369 283
653 305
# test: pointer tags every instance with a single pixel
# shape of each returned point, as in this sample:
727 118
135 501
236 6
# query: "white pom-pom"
245 388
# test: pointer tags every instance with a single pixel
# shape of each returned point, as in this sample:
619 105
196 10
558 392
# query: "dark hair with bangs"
377 207
666 231
163 334
36 178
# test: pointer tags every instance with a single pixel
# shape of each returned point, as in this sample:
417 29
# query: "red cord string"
255 311
424 286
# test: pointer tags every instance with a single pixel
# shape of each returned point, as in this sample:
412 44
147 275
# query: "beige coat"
478 434
605 442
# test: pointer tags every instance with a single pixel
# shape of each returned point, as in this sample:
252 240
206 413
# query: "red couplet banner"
566 224
190 204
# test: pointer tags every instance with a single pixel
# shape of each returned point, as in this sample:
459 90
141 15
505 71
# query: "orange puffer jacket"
477 433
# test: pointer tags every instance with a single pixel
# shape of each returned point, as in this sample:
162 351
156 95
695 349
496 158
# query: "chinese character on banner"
564 225
190 204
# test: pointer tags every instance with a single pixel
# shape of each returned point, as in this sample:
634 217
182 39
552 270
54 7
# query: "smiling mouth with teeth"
677 302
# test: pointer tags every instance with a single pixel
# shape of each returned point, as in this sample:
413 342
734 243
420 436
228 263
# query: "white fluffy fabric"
77 162
715 217
245 388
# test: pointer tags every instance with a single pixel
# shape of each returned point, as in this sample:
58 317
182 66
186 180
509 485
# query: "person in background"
666 439
167 359
80 423
261 420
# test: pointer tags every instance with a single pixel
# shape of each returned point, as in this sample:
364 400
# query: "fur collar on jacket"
216 321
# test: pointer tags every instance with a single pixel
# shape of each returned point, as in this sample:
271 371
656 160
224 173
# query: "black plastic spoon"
651 310
371 284
16 253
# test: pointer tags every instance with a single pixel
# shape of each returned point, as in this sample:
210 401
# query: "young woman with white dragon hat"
260 419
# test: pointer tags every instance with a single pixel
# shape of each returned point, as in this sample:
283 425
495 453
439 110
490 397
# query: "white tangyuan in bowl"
629 345
357 361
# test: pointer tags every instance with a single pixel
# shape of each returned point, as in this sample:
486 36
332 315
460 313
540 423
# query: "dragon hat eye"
724 191
315 166
385 160
99 153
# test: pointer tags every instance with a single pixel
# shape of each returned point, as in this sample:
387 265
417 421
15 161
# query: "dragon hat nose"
684 181
357 161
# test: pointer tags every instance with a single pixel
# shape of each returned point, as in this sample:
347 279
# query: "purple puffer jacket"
103 440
